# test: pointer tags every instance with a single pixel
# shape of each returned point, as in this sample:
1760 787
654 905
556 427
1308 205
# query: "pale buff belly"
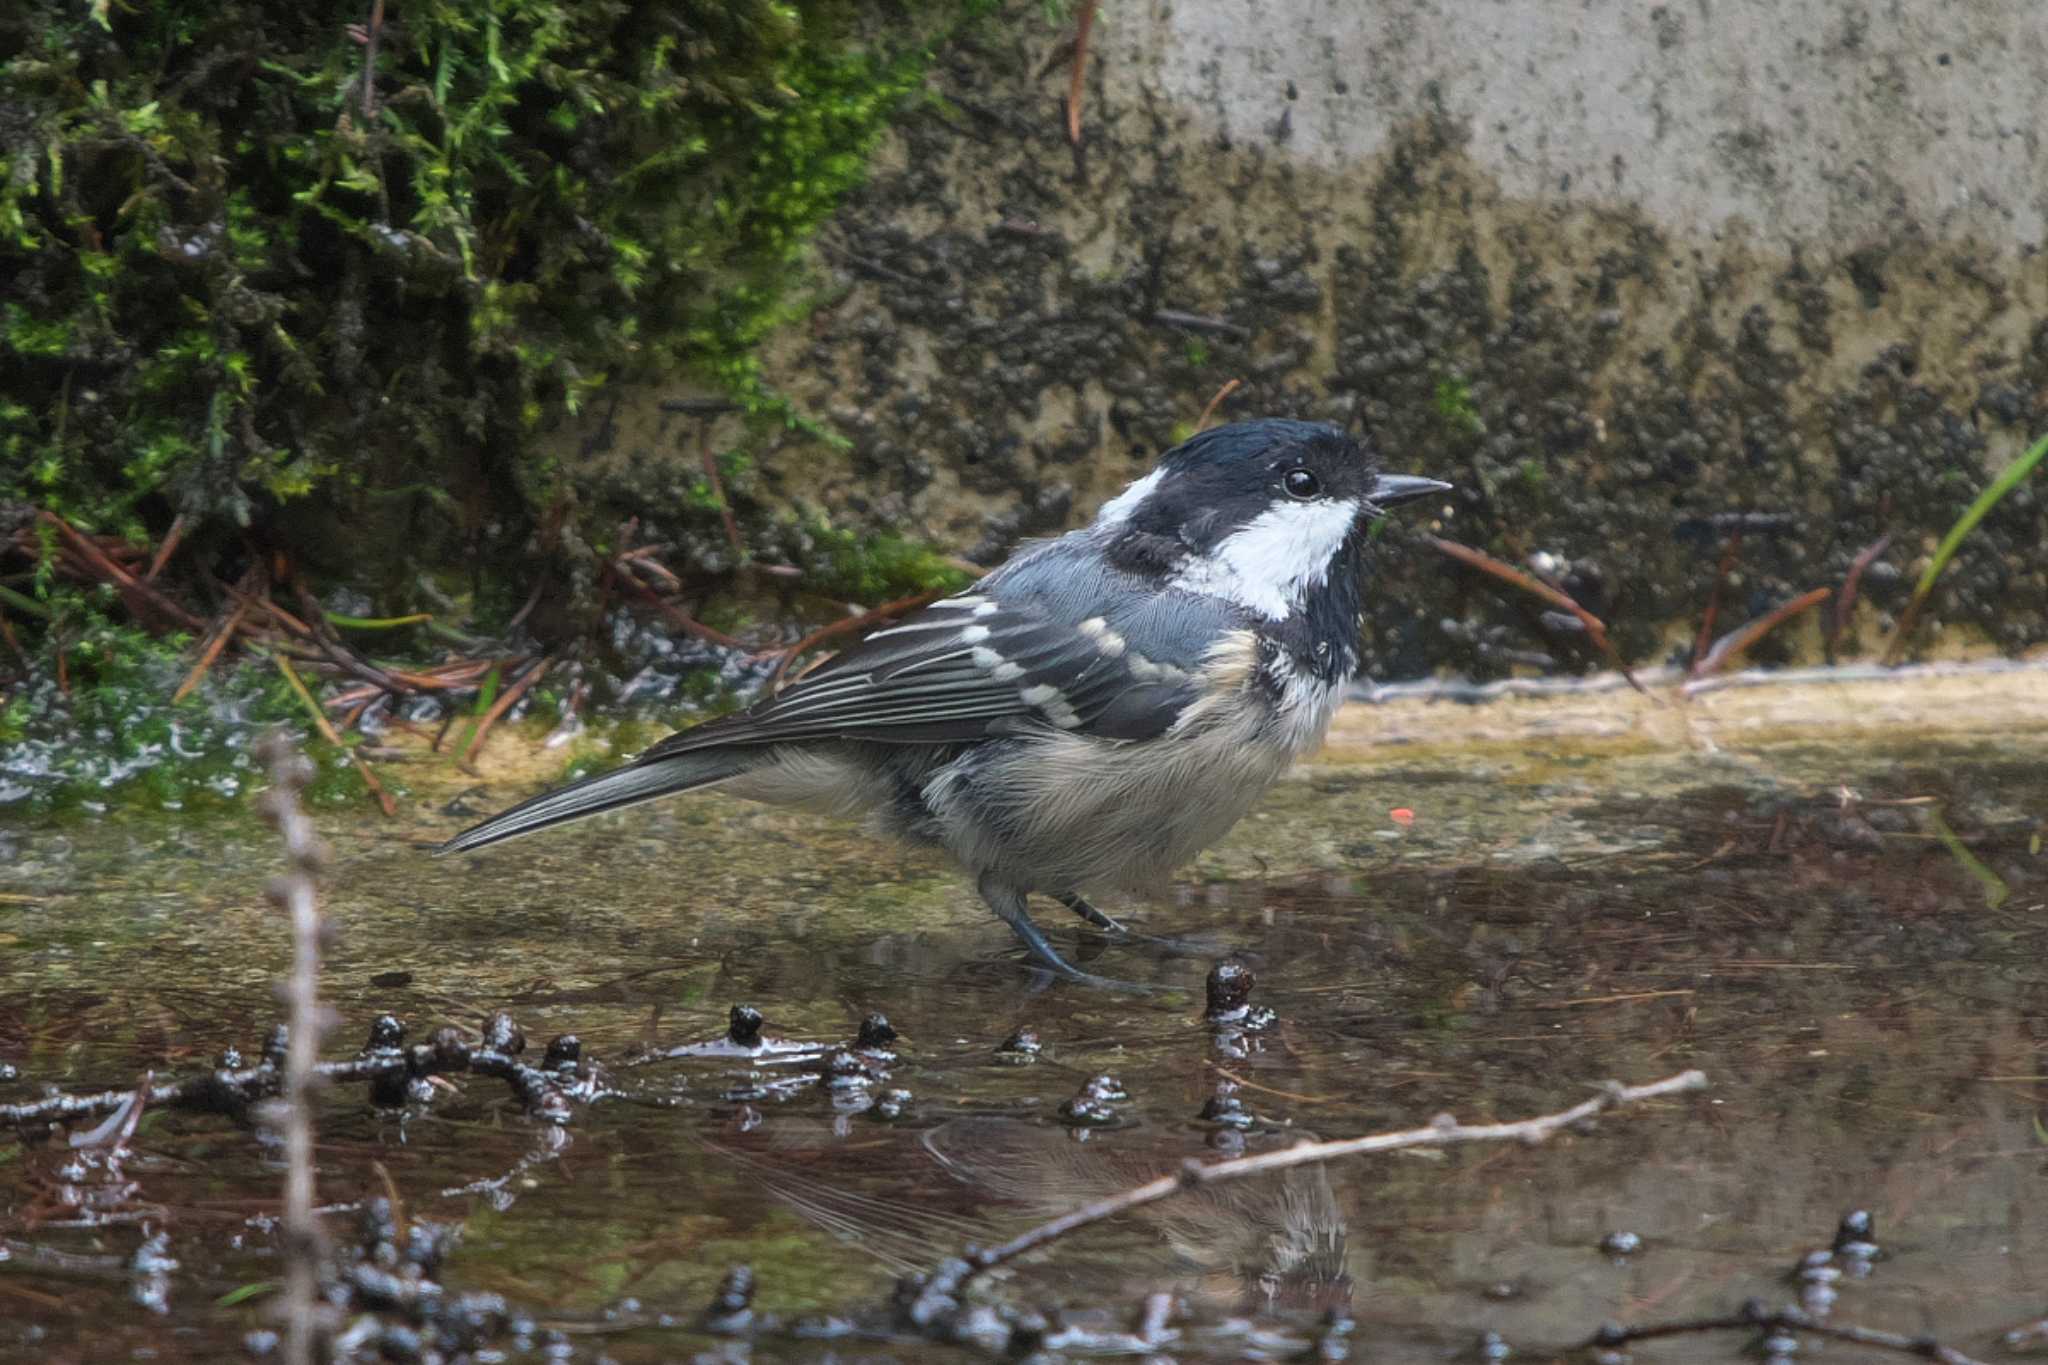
1067 813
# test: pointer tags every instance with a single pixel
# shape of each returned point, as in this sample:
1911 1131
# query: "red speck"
1402 816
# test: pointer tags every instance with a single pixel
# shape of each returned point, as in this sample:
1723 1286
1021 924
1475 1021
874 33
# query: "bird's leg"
1109 924
1010 905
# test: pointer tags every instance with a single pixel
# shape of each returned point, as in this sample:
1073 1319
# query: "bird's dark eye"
1301 483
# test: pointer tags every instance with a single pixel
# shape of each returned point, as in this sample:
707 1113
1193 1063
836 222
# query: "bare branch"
296 894
1443 1131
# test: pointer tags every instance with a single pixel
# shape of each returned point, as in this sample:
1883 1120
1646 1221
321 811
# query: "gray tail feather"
627 786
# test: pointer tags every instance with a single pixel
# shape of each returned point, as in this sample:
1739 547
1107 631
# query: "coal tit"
1092 714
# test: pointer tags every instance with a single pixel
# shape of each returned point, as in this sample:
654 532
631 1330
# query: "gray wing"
965 668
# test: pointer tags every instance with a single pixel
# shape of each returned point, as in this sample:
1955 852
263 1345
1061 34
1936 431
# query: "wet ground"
1847 932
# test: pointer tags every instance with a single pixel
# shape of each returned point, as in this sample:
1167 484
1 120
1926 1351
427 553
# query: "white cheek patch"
1272 562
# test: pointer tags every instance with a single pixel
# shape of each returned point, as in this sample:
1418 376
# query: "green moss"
237 277
874 568
1453 402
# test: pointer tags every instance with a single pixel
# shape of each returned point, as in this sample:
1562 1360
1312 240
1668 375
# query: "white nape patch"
1271 562
973 635
1118 509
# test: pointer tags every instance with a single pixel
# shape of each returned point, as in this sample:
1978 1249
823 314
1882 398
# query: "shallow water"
1850 939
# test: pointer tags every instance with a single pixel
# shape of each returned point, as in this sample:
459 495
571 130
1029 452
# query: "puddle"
1848 934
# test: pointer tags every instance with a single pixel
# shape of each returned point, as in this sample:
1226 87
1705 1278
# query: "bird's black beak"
1392 489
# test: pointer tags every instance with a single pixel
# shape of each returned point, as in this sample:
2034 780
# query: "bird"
1092 714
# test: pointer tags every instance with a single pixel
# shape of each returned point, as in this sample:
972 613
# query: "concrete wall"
1807 121
1626 274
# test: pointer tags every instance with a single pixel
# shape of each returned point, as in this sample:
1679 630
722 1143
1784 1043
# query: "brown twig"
1845 602
1755 1318
679 618
218 641
328 733
1705 639
367 35
295 893
1202 422
888 611
1736 641
91 556
167 548
13 641
1084 24
1596 629
1443 1131
732 526
504 703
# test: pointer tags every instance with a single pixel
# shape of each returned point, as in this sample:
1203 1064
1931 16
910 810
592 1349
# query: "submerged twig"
1756 1318
386 1066
1443 1131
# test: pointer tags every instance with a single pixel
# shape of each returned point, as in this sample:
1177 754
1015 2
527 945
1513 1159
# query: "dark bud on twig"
1021 1046
875 1032
1094 1106
377 1230
744 1026
731 1310
391 1089
1856 1238
447 1050
1333 1341
1229 991
563 1052
387 1031
1226 1108
502 1035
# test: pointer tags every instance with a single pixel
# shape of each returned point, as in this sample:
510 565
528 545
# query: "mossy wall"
1630 280
314 276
